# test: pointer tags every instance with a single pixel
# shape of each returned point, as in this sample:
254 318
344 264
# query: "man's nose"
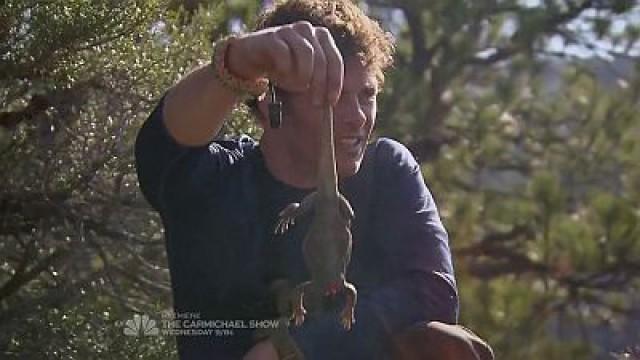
349 111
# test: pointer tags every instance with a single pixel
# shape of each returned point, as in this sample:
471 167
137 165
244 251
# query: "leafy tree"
80 248
541 202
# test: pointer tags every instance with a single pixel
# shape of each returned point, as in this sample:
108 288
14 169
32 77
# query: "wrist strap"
238 85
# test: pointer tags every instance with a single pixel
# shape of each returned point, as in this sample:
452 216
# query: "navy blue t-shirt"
219 204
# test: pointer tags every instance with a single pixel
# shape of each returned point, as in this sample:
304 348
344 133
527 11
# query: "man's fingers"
335 65
302 53
283 61
318 81
305 57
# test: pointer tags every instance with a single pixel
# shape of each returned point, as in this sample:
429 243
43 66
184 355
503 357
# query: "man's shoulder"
390 154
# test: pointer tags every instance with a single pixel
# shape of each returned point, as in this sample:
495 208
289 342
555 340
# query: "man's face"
354 118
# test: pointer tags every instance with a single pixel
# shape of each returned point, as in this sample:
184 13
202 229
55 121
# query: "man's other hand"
263 350
440 341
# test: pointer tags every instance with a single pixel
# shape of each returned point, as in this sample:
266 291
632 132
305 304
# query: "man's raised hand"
297 57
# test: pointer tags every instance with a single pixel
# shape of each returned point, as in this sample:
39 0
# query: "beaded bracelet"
239 86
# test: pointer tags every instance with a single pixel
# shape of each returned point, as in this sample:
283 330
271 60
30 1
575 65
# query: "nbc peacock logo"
141 325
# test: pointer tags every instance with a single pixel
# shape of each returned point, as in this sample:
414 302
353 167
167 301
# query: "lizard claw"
347 318
280 227
287 218
298 316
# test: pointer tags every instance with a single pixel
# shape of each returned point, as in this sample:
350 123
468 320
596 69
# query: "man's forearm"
195 107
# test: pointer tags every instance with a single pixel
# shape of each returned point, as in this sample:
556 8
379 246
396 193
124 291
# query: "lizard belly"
327 249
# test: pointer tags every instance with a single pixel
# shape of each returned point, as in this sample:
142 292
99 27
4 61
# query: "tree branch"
20 279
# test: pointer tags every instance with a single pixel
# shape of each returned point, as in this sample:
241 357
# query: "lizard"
327 245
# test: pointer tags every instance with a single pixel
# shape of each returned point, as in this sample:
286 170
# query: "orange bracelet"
239 86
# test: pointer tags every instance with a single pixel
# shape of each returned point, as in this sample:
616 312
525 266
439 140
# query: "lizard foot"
286 218
298 315
347 318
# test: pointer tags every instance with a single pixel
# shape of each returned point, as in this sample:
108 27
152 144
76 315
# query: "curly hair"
354 32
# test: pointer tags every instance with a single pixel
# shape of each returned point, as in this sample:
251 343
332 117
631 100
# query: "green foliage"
87 329
80 249
551 231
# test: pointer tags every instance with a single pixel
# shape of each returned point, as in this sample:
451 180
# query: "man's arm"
196 106
193 110
295 56
187 118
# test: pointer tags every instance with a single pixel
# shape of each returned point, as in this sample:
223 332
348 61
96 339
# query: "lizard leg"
282 290
297 303
288 215
286 218
347 316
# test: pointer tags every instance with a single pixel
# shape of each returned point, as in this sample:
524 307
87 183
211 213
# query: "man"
219 200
